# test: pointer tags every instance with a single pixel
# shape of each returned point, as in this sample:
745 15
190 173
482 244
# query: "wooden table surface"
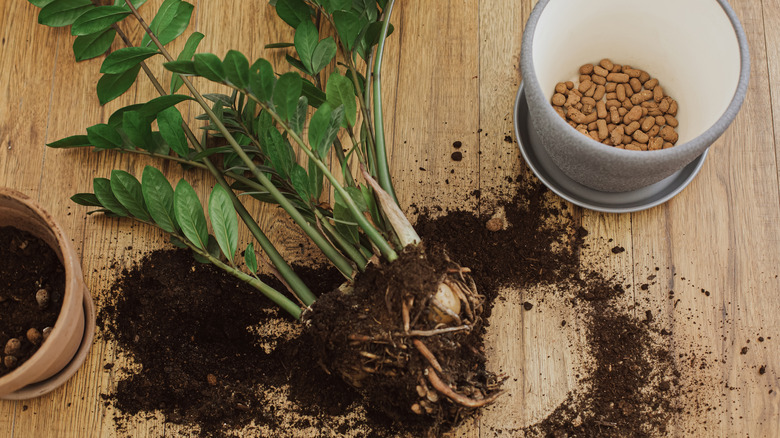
452 68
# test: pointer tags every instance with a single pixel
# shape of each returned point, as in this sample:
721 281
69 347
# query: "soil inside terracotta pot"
27 265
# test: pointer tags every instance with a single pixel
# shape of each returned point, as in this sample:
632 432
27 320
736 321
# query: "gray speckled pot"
696 48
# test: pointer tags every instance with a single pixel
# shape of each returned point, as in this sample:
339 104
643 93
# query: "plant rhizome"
404 327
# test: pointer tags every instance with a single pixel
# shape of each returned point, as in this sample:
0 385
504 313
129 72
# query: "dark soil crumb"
744 350
457 144
618 250
508 139
457 156
27 264
527 306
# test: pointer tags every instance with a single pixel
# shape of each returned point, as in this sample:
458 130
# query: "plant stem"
341 263
383 170
297 286
351 251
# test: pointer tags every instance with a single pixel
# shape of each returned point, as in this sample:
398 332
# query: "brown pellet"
607 64
668 134
631 128
627 104
601 124
672 107
592 90
572 100
633 115
586 69
654 130
558 99
642 96
671 120
664 104
613 103
560 87
592 126
658 93
601 80
599 93
632 147
601 109
560 112
569 84
616 135
644 76
655 143
651 83
659 120
618 77
614 115
600 71
584 78
647 123
585 85
594 135
633 73
620 92
635 85
667 145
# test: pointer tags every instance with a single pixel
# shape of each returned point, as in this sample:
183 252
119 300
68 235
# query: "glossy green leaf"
138 129
331 131
127 191
74 141
315 95
278 45
104 136
86 199
348 25
262 80
111 86
300 181
345 223
250 258
286 93
318 125
63 12
315 180
171 20
186 54
279 152
40 3
295 62
181 67
136 3
340 91
224 220
93 45
154 106
338 5
306 39
323 54
98 19
293 11
170 123
189 214
298 120
367 9
158 195
102 189
115 119
212 248
236 68
210 67
125 59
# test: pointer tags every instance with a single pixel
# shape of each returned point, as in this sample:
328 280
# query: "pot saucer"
537 158
44 387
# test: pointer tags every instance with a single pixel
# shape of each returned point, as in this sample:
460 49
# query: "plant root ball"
406 334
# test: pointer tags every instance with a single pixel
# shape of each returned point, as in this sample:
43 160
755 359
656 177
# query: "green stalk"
376 237
341 263
297 286
351 251
383 170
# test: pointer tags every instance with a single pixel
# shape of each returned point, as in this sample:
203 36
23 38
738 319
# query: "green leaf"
295 62
331 132
138 129
128 192
315 95
170 123
345 223
115 119
348 25
341 92
278 45
293 11
262 80
306 38
102 189
93 45
250 258
98 19
104 136
212 248
86 199
279 152
186 54
181 68
63 12
318 125
367 9
357 196
286 94
111 86
154 106
237 68
315 180
210 67
74 141
338 5
158 195
136 3
298 120
40 3
170 21
224 220
178 243
323 54
125 59
189 214
300 181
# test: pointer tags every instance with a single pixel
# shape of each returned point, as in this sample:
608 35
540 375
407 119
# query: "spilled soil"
27 266
214 356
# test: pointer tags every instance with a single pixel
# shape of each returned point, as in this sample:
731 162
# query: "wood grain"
451 74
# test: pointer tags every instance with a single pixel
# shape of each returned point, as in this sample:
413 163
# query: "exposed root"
460 399
436 332
427 354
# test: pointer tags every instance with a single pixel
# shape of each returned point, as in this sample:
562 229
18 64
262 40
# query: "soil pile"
215 356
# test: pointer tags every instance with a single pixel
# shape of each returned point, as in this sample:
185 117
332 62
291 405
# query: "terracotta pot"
56 357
